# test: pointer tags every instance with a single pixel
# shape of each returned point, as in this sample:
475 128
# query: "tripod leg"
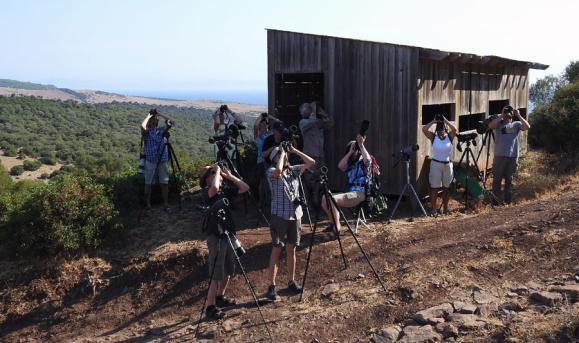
362 250
251 289
176 181
209 285
398 202
308 258
418 200
330 201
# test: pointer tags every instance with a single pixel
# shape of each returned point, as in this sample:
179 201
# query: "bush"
69 214
16 170
5 180
44 176
48 160
31 165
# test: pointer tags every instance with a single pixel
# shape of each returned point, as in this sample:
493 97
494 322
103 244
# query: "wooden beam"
435 55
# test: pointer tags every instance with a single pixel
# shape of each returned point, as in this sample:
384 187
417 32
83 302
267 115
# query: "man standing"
286 213
312 125
156 155
506 149
222 117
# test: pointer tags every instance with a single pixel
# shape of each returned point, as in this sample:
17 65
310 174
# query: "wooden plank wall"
362 80
447 82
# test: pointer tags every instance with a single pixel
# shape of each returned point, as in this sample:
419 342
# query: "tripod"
223 158
330 201
488 138
229 241
178 182
406 158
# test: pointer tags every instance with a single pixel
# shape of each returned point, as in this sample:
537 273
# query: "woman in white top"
440 165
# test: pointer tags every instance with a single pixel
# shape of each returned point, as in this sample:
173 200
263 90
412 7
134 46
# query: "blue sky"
148 46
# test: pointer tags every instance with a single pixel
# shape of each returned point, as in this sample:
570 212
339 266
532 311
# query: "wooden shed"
397 88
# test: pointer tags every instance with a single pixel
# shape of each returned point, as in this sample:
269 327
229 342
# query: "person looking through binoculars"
156 155
218 224
222 117
315 121
286 212
355 164
441 173
262 131
506 149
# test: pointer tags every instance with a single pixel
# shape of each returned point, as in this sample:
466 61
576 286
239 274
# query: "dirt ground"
9 162
150 287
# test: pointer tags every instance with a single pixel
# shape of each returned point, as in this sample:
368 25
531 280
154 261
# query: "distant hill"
24 85
19 88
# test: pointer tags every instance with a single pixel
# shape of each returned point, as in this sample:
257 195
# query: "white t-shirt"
441 148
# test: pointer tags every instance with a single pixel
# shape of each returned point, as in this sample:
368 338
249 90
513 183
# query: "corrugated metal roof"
449 56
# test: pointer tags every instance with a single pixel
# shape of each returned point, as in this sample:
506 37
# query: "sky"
141 47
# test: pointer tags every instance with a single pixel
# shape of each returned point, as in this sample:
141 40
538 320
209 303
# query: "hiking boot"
213 313
222 301
293 287
433 213
271 293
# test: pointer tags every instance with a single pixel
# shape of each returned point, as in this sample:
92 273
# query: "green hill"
24 85
93 135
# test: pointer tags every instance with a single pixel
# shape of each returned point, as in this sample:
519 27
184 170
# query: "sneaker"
213 313
433 213
293 287
271 293
222 301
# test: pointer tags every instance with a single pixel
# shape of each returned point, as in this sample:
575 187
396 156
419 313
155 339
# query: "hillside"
508 275
93 134
18 88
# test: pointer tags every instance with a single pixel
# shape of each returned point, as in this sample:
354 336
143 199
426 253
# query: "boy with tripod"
286 211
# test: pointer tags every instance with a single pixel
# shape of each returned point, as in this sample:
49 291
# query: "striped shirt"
284 190
154 142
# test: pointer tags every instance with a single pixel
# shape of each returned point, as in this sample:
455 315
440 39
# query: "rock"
571 291
546 298
487 310
447 330
330 289
433 315
420 334
209 334
154 332
519 289
360 276
512 294
466 322
462 307
410 322
230 325
482 297
512 306
534 285
387 334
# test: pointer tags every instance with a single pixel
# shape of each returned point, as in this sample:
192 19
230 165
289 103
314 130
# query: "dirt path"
153 289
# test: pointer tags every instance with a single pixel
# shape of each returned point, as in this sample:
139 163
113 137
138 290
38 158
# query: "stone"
487 310
482 297
512 306
462 307
534 285
571 291
546 298
519 289
155 332
447 330
410 322
388 334
466 322
209 334
360 276
330 289
230 325
433 315
420 334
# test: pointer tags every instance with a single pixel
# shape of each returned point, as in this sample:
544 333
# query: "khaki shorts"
150 173
221 260
440 174
284 231
353 198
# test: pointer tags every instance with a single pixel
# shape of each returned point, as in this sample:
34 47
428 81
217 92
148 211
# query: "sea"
244 97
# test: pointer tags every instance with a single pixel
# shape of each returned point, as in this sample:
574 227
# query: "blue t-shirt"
260 140
356 173
507 139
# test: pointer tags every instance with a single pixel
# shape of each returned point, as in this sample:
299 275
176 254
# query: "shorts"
353 198
440 174
225 263
285 231
162 171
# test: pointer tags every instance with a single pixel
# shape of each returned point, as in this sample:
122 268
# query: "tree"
572 72
543 90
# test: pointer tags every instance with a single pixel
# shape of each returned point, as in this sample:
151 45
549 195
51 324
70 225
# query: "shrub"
16 170
31 165
70 214
44 176
5 180
49 160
